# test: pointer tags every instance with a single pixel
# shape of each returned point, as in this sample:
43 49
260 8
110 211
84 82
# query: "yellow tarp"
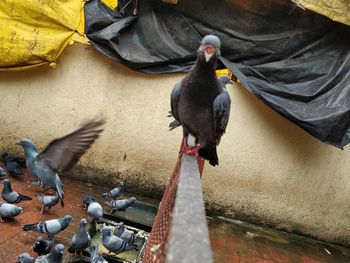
337 10
35 32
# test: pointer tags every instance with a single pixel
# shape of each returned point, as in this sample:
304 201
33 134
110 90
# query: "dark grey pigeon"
80 240
95 255
11 165
125 234
60 155
9 211
48 201
200 103
115 192
50 227
114 243
93 208
25 258
42 246
121 205
11 196
55 256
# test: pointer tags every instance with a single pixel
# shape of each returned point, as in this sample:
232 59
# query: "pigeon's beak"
209 50
19 143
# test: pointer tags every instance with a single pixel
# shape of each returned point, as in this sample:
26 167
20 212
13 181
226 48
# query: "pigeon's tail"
30 227
209 153
130 247
174 124
25 198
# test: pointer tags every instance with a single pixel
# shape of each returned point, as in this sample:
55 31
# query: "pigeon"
42 246
11 165
50 227
25 258
48 201
9 211
121 205
95 255
125 234
61 154
55 256
81 240
11 196
200 103
115 192
3 173
114 243
93 208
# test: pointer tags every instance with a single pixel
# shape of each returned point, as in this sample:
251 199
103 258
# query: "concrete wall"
270 170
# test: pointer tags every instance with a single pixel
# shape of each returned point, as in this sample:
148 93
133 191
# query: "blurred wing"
63 153
221 109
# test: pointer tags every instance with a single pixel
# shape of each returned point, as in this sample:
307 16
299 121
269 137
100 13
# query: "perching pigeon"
9 210
11 196
114 243
81 240
95 255
125 234
25 258
11 165
48 201
115 192
60 154
42 246
55 256
121 205
93 208
201 104
50 227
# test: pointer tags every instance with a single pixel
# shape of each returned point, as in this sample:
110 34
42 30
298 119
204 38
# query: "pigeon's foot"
190 150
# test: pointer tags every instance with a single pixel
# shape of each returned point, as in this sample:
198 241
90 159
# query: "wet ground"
232 241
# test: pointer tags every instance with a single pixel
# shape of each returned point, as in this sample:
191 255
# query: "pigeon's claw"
190 150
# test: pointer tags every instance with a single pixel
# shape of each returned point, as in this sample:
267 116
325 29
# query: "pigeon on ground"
121 205
81 240
115 192
48 201
9 211
49 227
42 246
95 255
125 234
11 165
55 256
93 208
200 103
114 243
11 196
3 173
25 258
61 154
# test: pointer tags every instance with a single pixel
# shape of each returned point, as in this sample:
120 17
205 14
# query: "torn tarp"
296 61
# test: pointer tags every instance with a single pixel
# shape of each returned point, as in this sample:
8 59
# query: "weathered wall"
270 171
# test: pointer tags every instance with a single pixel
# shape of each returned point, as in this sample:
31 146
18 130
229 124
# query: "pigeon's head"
27 144
39 239
132 199
25 258
6 182
120 184
224 79
87 200
83 222
67 218
59 249
119 229
105 231
210 48
19 210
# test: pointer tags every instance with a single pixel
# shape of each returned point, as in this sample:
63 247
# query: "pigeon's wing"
174 100
63 153
221 110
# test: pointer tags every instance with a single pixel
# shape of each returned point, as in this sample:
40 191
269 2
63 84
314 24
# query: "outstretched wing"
221 110
175 97
63 153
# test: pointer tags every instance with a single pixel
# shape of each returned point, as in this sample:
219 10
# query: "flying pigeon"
11 196
125 234
48 201
121 205
115 192
95 255
42 246
50 227
11 165
9 211
81 240
55 256
114 243
61 154
93 208
25 258
200 103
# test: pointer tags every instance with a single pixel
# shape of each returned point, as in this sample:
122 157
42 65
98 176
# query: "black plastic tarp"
296 61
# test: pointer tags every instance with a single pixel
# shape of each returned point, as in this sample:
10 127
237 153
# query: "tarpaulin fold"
296 61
